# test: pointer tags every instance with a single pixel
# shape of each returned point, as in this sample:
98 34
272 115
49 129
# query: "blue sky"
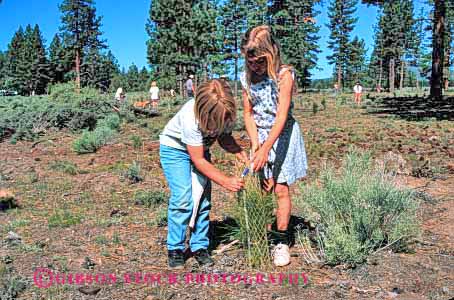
124 26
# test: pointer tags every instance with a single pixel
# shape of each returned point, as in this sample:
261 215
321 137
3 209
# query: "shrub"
111 121
253 213
29 117
359 210
67 167
150 198
91 141
314 108
64 218
11 286
133 173
136 141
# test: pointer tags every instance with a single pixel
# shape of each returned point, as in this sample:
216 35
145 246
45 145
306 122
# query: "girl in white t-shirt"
154 95
184 151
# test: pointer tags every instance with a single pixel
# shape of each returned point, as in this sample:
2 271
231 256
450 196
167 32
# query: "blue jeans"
177 167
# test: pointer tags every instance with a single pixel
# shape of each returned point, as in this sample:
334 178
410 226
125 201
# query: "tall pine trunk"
77 70
392 75
236 60
402 72
182 71
380 76
447 64
339 76
438 49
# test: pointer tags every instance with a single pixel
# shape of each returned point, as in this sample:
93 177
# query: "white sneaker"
281 255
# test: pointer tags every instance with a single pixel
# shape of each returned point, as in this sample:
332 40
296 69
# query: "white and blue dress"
287 160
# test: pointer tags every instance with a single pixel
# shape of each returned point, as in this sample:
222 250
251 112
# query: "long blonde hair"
215 107
259 42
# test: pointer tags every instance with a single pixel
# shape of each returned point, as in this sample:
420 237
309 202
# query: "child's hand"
260 158
233 184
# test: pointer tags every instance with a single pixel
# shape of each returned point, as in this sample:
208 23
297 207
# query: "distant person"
358 89
154 95
172 93
336 89
120 95
190 89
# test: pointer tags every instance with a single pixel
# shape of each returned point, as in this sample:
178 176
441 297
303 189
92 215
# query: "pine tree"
81 30
39 65
58 60
375 69
341 25
14 62
205 42
133 79
168 47
2 69
292 23
438 27
233 25
356 61
257 13
395 41
436 90
449 44
144 79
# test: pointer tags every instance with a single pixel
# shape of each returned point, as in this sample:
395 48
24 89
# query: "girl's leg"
177 170
281 252
284 206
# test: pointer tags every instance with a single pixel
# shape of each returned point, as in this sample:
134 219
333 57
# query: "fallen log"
147 112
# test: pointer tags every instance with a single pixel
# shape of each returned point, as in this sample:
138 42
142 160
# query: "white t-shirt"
358 89
183 129
154 92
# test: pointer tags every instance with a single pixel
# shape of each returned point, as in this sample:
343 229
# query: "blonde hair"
259 42
214 106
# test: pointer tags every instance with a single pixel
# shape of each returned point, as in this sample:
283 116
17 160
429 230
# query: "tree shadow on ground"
222 232
413 108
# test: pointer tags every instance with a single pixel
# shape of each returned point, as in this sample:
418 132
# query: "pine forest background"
202 37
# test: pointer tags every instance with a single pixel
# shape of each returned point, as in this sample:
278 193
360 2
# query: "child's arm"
285 94
249 123
228 143
233 184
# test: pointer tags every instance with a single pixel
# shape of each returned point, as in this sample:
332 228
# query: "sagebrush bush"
105 132
64 166
360 209
150 198
30 117
111 121
134 172
91 141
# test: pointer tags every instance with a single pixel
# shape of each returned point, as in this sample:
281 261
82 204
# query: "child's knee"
182 202
282 191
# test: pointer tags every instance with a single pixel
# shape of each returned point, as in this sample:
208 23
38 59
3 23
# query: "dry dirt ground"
89 222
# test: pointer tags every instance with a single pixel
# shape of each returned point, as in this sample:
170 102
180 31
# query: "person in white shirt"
154 95
358 89
120 95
